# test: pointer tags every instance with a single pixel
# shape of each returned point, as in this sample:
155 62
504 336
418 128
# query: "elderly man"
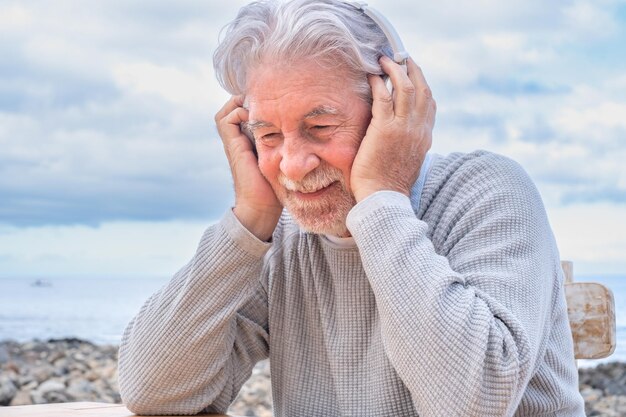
380 280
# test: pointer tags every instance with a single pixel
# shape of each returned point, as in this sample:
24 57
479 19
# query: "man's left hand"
399 135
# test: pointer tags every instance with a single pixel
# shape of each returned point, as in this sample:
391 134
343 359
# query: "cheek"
343 157
268 165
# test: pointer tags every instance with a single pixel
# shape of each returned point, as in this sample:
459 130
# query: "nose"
297 158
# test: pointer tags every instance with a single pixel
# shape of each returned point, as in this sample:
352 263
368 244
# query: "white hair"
334 34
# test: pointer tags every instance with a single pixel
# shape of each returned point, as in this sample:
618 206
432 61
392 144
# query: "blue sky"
110 163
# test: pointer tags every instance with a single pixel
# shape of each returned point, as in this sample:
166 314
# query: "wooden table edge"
75 409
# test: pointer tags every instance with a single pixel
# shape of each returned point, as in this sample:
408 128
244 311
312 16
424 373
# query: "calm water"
93 309
99 309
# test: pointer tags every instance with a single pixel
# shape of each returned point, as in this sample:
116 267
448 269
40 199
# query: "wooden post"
591 313
568 270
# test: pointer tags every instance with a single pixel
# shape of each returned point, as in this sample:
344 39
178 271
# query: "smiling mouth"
314 194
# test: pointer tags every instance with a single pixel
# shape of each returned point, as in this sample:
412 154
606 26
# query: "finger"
229 106
404 90
424 94
233 138
231 124
382 102
236 116
432 113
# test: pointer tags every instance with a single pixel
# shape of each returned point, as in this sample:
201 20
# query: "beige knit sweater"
449 304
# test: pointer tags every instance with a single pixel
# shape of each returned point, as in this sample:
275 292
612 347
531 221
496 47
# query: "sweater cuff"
242 237
375 202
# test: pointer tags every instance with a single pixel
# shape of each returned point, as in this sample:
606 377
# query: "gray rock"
7 390
12 375
43 373
93 364
31 385
51 391
37 398
77 366
61 371
50 386
61 363
611 406
92 375
614 388
30 346
591 395
55 356
108 371
82 390
255 397
22 398
74 370
27 379
5 355
11 366
58 397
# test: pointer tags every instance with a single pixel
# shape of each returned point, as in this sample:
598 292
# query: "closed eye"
269 136
321 130
269 139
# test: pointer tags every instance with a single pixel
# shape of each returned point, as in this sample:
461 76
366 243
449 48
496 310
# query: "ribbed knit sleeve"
465 307
194 343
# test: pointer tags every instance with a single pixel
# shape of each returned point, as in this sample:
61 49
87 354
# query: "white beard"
326 214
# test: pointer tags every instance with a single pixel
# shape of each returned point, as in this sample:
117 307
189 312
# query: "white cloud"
184 88
109 105
617 84
593 119
589 19
592 236
14 17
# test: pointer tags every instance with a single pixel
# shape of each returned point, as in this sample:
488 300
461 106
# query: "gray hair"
335 34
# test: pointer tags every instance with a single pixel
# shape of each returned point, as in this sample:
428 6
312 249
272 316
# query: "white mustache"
314 181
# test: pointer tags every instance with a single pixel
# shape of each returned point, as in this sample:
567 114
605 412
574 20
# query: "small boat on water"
41 283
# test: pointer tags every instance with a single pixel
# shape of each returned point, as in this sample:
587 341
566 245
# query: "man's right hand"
256 205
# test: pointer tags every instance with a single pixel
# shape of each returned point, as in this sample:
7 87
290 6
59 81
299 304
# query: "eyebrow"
257 124
321 111
318 111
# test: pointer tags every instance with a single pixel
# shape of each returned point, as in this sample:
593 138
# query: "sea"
98 309
93 309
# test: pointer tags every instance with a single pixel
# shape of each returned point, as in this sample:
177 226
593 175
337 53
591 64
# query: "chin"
338 229
326 219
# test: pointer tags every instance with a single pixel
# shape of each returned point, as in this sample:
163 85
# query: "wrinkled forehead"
273 79
306 90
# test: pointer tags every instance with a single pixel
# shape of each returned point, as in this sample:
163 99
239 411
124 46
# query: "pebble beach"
66 370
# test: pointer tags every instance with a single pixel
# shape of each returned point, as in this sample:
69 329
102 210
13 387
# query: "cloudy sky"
110 163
